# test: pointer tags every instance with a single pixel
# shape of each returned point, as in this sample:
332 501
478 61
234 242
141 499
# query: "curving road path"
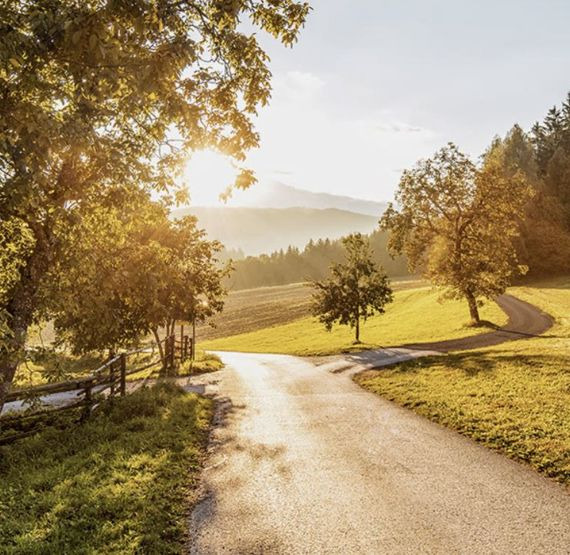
525 320
304 461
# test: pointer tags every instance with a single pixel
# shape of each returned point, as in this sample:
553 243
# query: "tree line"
311 263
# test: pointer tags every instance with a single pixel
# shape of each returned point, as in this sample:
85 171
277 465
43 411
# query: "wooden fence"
103 384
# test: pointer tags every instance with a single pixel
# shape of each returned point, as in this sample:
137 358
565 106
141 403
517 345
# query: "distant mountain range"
278 195
272 217
264 230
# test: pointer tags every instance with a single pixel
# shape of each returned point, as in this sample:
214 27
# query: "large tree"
141 272
458 223
356 289
113 93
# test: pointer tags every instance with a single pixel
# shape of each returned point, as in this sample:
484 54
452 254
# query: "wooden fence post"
165 354
111 379
172 353
194 339
123 368
88 400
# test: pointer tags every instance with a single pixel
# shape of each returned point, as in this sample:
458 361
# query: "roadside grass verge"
204 363
415 316
122 482
513 397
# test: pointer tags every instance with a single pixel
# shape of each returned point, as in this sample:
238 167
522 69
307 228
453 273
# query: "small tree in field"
355 290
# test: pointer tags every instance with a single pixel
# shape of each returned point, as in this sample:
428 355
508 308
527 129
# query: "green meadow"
513 397
416 315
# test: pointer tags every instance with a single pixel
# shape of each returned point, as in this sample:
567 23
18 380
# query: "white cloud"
297 87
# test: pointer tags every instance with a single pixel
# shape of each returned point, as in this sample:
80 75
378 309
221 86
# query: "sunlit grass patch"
514 397
120 483
416 315
205 362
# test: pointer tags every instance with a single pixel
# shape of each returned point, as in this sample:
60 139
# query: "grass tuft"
205 362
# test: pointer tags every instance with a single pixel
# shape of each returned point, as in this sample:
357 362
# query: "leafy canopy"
98 94
130 273
457 223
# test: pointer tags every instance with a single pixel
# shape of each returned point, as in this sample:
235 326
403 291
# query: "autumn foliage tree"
356 289
458 223
97 95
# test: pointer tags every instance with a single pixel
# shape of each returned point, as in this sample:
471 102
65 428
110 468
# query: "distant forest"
313 262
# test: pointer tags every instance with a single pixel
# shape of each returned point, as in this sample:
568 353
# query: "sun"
207 174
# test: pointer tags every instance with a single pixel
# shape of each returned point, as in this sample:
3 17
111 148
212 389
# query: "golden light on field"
207 174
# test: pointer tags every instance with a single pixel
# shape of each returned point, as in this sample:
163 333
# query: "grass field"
120 483
416 315
514 397
263 307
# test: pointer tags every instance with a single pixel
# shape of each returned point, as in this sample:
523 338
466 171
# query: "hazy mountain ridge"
263 230
279 195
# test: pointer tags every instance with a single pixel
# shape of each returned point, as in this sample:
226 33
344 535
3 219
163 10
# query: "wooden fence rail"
111 377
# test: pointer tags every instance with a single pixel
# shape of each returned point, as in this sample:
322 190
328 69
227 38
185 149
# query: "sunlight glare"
207 174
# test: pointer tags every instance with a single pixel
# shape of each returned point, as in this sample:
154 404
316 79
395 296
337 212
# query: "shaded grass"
48 366
513 397
120 483
415 316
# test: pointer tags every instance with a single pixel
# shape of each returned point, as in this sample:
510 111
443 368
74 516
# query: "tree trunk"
10 358
473 308
20 311
357 330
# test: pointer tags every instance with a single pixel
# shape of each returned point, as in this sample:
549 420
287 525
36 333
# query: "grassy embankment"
120 483
513 397
416 315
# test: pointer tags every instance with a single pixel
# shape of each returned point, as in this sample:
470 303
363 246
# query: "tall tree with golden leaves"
99 94
457 223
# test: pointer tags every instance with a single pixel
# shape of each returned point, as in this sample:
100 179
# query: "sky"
374 85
